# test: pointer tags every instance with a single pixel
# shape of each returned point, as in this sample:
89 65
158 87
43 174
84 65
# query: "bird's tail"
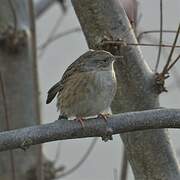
52 92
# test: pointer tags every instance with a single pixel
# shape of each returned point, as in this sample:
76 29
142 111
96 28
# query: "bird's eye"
105 60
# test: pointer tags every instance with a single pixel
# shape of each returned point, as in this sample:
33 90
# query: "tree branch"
42 5
94 127
160 36
124 166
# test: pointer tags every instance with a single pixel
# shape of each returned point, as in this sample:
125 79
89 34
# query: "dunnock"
87 87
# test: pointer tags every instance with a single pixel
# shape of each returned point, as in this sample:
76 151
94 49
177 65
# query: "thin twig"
171 52
124 166
59 35
40 162
136 44
160 36
173 63
63 5
154 31
14 13
115 174
59 169
83 159
55 28
52 32
58 152
41 7
166 54
12 160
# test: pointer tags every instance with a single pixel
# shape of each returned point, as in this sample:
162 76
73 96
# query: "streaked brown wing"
76 66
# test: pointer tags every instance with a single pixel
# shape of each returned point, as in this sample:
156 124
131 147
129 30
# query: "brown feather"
76 66
52 92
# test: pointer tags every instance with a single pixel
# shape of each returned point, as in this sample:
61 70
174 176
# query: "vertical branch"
39 170
58 153
7 124
161 34
115 174
124 166
164 71
14 13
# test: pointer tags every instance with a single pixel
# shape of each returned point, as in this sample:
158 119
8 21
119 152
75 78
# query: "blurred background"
104 161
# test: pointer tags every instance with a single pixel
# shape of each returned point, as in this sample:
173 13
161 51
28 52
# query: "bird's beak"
118 58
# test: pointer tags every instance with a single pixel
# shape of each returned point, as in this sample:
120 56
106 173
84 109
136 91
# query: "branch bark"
106 19
94 127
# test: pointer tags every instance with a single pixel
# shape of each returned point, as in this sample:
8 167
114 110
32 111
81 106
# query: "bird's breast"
87 94
105 79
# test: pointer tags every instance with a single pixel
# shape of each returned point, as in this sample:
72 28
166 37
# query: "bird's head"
99 60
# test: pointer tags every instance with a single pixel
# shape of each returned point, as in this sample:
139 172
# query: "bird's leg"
103 116
109 132
81 121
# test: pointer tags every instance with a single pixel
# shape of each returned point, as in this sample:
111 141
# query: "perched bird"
87 87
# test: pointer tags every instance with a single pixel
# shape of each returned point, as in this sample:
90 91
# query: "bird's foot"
103 116
81 121
108 135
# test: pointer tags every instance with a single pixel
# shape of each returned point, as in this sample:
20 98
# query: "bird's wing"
57 88
75 67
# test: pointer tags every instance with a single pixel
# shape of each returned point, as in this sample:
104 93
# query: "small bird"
87 87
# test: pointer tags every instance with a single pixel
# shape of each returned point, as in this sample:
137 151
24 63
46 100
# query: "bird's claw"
104 116
81 121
